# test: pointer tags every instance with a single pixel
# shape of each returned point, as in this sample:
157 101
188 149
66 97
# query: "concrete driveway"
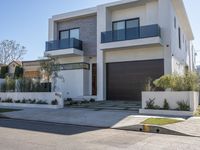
101 118
78 116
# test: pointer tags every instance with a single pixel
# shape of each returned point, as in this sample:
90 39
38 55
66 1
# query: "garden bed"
30 105
32 100
172 103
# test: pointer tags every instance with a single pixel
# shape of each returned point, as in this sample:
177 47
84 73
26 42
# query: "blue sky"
26 21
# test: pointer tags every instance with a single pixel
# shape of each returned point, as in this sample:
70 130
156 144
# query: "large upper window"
67 34
126 24
126 29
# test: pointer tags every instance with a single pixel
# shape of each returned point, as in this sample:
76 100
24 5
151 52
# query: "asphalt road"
31 135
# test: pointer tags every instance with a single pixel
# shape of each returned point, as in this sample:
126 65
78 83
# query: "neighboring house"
112 49
11 67
31 69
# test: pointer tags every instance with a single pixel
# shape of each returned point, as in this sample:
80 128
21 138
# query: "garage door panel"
126 80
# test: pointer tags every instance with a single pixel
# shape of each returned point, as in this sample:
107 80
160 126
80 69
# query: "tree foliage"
50 69
18 72
10 50
187 82
4 71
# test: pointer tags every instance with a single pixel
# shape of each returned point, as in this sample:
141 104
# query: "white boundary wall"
192 98
44 96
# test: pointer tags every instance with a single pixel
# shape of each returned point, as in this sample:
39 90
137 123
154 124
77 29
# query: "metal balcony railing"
130 33
63 44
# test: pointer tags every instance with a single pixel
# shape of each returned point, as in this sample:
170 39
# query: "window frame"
175 22
125 21
179 37
59 37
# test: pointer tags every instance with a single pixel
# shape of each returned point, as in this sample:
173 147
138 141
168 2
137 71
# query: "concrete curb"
153 129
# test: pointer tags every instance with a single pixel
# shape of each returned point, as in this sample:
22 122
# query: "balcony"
131 37
70 46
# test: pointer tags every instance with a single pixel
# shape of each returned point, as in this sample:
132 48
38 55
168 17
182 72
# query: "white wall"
182 55
72 84
134 54
192 98
148 13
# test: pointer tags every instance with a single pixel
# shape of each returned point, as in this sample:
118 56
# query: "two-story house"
111 50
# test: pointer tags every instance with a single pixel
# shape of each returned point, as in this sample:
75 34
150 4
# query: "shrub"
69 99
54 102
183 106
33 101
150 104
191 81
17 101
8 100
84 102
164 82
23 101
92 100
41 102
166 105
149 86
187 82
10 84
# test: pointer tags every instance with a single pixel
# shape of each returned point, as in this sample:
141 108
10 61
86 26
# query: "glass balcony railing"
63 44
130 33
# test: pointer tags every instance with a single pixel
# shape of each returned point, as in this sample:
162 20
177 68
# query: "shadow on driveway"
52 128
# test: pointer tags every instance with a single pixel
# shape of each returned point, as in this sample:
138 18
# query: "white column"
102 16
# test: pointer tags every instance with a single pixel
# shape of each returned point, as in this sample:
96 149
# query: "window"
74 33
132 23
74 66
179 37
126 24
67 34
64 35
126 29
175 22
119 25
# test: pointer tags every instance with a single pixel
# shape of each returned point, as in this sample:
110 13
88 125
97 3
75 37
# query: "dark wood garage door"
126 80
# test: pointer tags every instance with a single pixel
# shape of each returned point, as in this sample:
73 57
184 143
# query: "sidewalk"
127 120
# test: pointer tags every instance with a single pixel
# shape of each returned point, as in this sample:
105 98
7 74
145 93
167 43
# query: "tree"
50 69
10 50
4 71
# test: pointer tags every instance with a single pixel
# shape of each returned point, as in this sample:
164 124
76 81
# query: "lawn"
160 121
3 110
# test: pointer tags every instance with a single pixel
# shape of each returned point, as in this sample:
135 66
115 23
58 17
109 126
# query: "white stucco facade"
164 13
